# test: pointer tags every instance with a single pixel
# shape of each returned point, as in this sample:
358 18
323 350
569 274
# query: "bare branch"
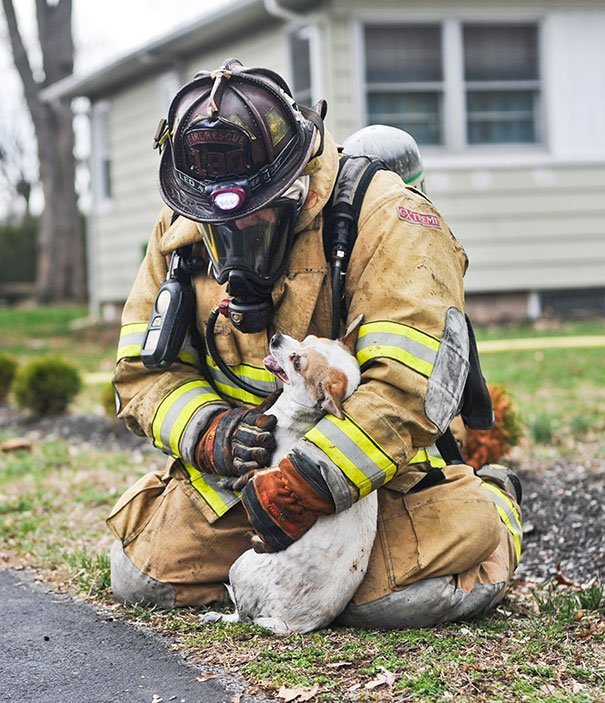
21 59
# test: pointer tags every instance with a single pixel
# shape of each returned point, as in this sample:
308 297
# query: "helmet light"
228 199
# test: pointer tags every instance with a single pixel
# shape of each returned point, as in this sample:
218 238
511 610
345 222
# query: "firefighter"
247 175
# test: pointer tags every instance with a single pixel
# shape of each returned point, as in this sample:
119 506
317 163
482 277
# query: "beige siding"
527 229
122 228
267 48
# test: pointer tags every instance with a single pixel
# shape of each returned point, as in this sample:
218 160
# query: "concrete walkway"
57 650
488 346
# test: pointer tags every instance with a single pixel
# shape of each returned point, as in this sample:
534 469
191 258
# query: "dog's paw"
258 545
212 617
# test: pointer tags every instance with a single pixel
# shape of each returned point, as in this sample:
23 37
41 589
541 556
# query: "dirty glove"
283 502
236 442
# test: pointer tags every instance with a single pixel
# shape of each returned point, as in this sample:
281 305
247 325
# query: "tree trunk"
61 269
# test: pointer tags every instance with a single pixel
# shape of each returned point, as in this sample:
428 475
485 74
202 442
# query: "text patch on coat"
418 218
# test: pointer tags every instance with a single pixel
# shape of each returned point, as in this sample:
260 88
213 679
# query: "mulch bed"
563 500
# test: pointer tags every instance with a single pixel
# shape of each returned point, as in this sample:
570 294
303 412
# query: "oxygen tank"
395 147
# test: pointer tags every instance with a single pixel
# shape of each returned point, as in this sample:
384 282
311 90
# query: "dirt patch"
563 503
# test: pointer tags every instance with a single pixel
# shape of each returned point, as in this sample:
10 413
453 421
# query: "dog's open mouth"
272 365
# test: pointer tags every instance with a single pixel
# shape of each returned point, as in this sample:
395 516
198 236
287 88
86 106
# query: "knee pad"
423 604
130 585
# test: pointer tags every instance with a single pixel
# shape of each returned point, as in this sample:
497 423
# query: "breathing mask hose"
337 279
213 351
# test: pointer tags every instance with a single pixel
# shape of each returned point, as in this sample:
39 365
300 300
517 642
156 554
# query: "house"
507 102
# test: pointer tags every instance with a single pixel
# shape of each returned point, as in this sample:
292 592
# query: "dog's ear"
334 390
350 336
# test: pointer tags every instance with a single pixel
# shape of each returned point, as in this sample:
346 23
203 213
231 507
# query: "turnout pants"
443 553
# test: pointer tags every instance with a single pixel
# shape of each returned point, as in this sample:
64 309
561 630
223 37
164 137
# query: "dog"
306 586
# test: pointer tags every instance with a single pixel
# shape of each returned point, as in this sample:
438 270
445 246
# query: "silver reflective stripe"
355 453
383 339
258 377
508 514
132 336
176 410
189 354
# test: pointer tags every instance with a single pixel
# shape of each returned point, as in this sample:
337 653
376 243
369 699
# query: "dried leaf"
338 665
385 678
13 445
297 694
206 676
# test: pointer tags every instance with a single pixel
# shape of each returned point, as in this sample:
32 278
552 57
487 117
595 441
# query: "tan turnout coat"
405 277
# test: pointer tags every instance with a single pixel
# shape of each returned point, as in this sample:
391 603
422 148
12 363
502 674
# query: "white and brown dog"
306 586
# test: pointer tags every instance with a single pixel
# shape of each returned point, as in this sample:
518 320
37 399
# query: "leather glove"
236 442
283 502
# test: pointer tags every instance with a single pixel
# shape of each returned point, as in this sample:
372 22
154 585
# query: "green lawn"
542 645
32 332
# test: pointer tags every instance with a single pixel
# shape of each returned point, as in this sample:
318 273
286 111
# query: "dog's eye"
295 359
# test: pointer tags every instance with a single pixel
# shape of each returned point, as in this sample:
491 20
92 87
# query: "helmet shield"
235 130
257 245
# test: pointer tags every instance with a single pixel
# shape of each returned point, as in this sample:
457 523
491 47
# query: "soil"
563 499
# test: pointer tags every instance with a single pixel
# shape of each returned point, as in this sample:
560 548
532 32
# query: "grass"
38 331
552 328
543 644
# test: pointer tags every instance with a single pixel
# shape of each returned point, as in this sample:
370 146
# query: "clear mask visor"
257 244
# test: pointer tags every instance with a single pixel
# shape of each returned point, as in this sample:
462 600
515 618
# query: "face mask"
257 246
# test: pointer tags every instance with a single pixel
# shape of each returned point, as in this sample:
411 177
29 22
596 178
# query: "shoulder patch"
418 218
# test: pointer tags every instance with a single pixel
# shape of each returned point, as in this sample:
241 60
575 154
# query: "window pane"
500 52
403 54
416 113
300 60
501 117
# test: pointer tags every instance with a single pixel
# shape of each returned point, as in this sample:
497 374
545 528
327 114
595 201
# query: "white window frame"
100 154
454 93
312 32
167 86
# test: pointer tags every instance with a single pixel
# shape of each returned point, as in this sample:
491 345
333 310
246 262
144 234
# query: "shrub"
8 367
542 429
108 400
490 446
46 385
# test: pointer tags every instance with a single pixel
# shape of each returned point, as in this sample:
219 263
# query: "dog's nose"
276 340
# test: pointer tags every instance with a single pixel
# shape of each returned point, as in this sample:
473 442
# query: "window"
455 84
300 62
101 161
168 86
404 76
501 83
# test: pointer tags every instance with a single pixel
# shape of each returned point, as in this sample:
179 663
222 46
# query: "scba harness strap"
355 174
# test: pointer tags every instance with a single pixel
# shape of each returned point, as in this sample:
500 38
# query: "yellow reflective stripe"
238 393
254 375
402 343
188 357
508 514
399 328
355 453
219 499
175 411
431 456
131 340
